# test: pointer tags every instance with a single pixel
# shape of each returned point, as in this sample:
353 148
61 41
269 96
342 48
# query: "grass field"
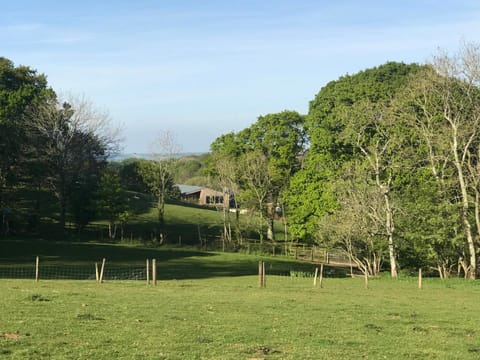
209 306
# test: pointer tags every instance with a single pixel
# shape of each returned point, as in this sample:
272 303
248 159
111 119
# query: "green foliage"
129 174
46 146
262 158
158 177
21 90
311 194
111 200
190 167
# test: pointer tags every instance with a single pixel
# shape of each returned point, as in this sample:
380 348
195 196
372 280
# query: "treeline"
54 169
385 165
55 173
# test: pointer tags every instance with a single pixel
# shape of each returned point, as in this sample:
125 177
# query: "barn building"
203 196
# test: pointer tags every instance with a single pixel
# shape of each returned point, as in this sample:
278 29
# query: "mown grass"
231 318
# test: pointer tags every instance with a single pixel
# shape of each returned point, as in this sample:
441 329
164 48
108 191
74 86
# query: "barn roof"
188 189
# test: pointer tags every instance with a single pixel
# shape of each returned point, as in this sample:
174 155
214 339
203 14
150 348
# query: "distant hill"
146 156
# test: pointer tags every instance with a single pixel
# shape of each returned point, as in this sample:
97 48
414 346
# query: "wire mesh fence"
73 272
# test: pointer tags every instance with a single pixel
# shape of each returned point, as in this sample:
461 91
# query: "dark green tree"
111 200
21 90
74 154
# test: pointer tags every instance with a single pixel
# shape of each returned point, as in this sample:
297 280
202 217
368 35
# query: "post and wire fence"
104 271
99 272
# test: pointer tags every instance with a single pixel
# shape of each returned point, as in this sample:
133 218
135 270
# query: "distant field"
231 318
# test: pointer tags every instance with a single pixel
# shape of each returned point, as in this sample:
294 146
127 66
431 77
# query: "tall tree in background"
447 104
281 139
158 174
257 180
21 89
111 201
77 140
275 144
224 166
372 133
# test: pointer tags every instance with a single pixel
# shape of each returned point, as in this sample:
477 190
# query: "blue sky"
203 68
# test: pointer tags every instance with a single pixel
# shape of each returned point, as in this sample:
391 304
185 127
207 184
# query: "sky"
200 69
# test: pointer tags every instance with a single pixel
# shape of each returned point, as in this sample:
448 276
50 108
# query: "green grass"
207 305
184 223
231 318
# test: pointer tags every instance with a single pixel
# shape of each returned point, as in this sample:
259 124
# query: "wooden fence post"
97 276
37 269
101 271
260 282
154 272
420 278
148 271
321 276
264 278
261 274
315 277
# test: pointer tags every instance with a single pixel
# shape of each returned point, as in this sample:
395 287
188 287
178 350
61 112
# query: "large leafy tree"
312 190
76 144
21 90
268 152
445 112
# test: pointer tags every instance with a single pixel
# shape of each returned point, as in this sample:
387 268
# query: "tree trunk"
390 228
270 233
112 230
465 209
63 210
161 209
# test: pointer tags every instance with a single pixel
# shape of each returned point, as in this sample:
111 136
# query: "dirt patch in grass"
11 336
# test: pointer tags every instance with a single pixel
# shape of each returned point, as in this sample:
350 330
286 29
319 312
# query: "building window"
214 200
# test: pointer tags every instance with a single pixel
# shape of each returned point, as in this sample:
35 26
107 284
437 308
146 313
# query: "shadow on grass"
54 252
62 260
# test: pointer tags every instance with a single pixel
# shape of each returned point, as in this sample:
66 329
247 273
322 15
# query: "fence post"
321 276
148 271
420 278
154 272
260 282
315 277
264 278
101 271
97 276
37 269
261 274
